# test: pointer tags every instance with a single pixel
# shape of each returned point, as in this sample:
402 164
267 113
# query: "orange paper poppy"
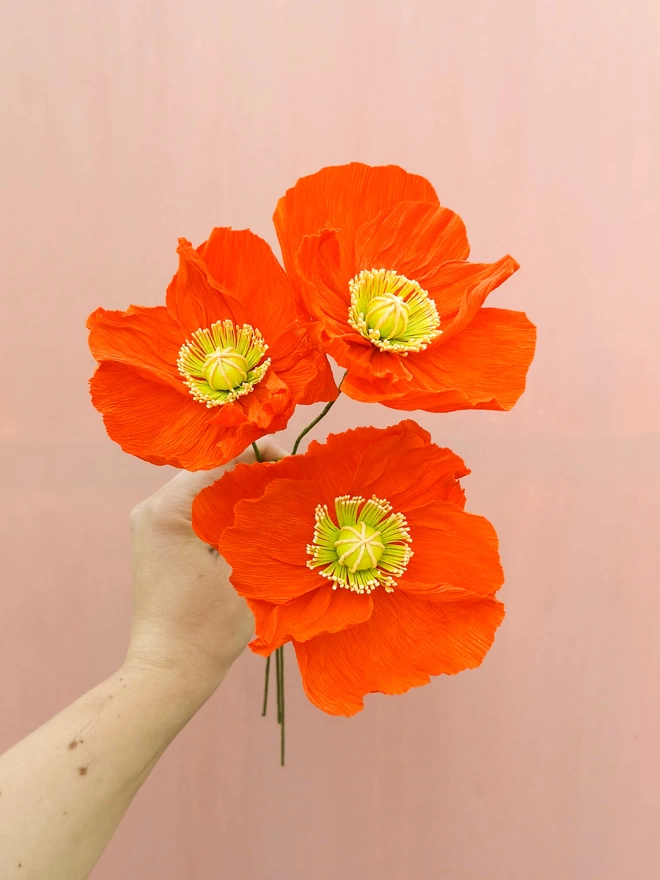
382 267
225 361
361 554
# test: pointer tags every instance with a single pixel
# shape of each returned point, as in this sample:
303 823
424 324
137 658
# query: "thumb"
186 485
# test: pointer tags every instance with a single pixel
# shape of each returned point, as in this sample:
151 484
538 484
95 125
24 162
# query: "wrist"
179 676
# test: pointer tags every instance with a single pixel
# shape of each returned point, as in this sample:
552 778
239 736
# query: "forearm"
65 788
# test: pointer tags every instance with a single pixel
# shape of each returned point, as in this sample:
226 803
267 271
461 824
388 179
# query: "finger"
186 484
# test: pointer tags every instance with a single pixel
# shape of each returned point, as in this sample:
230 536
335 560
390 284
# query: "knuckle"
136 516
150 512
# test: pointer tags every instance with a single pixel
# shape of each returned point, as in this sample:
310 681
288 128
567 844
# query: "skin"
65 788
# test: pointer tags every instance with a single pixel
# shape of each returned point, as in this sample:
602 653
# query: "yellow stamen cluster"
392 312
222 363
368 546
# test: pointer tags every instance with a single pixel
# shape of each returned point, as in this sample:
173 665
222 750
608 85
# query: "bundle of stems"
279 652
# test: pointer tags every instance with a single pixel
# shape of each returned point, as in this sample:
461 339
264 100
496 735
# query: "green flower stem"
279 652
309 427
266 682
279 685
315 422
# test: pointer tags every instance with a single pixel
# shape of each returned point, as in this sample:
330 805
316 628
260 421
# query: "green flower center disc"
359 547
225 369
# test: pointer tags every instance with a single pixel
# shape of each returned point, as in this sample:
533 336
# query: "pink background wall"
129 122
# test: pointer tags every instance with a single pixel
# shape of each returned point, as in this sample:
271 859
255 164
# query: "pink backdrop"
129 122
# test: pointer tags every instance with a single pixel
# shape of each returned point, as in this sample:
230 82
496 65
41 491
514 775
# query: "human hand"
188 622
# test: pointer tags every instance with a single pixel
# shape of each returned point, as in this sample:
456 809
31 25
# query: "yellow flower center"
389 315
368 546
222 363
359 547
391 311
224 369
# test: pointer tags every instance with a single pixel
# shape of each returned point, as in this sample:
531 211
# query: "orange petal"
487 362
303 366
266 546
327 297
359 462
155 422
324 610
236 275
194 297
412 238
355 460
477 280
483 367
400 396
147 338
341 197
213 509
405 641
428 473
265 410
367 361
374 375
267 400
325 288
244 265
451 548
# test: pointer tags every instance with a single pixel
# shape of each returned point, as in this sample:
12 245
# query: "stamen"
222 363
369 547
392 312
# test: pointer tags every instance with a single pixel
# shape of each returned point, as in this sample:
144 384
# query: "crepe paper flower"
225 361
382 268
361 554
